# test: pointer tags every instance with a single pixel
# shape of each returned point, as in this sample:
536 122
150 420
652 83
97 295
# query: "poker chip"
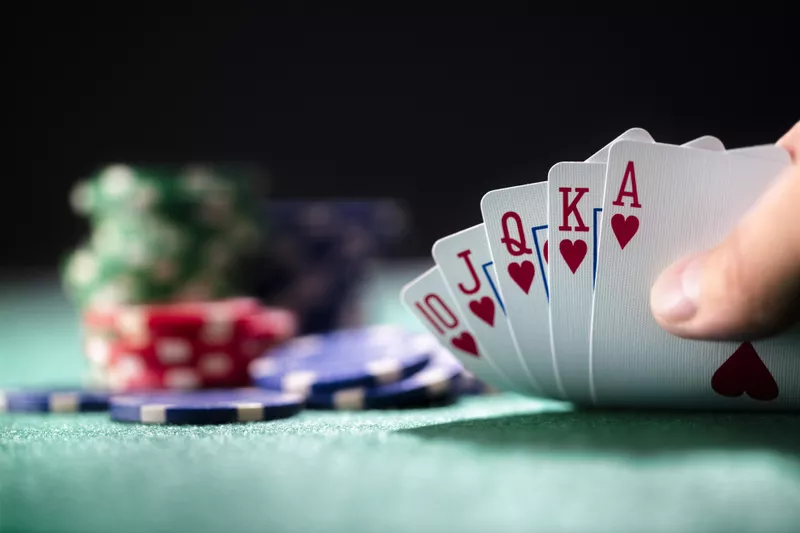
438 380
163 235
215 318
183 345
471 385
319 252
53 400
205 407
358 357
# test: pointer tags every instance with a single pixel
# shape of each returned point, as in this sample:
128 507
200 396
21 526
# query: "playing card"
662 202
766 151
429 299
516 227
706 142
575 201
633 134
467 267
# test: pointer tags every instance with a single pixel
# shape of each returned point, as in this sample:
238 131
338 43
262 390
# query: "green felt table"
500 463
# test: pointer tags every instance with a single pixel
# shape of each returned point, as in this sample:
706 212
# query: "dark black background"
433 111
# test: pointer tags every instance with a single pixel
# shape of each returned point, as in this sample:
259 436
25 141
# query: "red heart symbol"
465 342
744 373
546 247
573 252
522 274
624 228
483 309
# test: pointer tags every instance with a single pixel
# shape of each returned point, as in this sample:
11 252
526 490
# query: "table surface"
501 463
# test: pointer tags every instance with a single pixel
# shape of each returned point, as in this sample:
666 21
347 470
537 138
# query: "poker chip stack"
160 236
157 278
181 346
372 367
320 252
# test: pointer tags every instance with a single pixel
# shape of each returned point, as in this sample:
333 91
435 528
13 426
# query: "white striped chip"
145 196
129 367
349 399
81 197
306 346
435 380
83 268
218 327
98 350
181 378
64 402
299 382
263 367
383 335
173 351
249 412
116 180
386 370
215 364
133 326
137 255
153 414
116 291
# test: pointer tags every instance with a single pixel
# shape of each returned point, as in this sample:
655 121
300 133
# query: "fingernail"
676 293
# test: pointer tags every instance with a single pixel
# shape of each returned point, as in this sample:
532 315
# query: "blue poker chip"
205 407
470 385
360 357
438 380
53 400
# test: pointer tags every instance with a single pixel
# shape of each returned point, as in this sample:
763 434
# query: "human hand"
748 287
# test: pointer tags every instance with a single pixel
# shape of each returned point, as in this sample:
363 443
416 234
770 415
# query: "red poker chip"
215 322
132 320
134 370
182 346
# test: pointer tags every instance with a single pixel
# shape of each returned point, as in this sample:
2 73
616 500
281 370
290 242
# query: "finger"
748 287
791 141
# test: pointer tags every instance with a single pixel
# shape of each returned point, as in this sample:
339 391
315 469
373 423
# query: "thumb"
748 287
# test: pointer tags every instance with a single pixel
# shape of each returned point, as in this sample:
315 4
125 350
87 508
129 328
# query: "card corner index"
637 134
428 272
437 245
486 198
556 168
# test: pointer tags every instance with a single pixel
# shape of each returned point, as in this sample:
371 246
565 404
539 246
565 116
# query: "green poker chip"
163 234
90 280
199 194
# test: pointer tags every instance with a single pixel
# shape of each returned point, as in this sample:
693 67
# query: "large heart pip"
465 342
522 273
624 228
573 252
745 373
